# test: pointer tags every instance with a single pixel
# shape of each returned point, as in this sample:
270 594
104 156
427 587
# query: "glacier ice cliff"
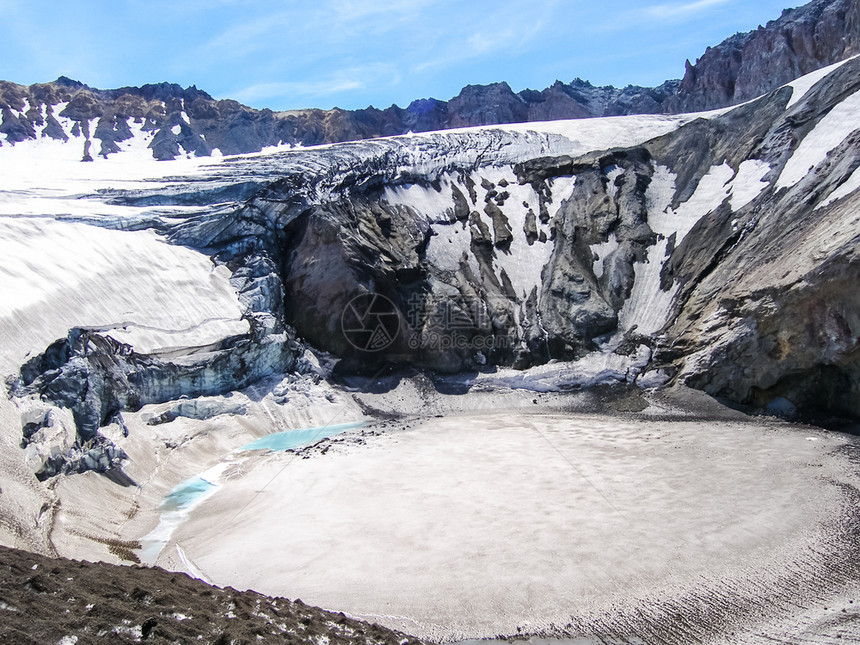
717 250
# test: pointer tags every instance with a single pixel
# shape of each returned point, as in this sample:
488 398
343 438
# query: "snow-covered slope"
132 285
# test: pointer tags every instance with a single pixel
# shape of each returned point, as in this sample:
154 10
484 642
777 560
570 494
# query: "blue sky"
354 53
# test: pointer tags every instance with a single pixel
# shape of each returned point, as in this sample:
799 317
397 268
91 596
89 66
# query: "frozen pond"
505 523
292 439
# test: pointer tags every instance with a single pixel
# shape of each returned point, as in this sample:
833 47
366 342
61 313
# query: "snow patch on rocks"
830 131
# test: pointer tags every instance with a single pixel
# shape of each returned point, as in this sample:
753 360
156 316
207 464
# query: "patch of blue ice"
186 493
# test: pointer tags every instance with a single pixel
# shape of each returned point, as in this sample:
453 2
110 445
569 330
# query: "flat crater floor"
502 523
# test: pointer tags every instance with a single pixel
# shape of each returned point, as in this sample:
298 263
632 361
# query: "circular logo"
370 322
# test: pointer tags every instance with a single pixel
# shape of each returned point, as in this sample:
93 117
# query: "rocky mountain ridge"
173 121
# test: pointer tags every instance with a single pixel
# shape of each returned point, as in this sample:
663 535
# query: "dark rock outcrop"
98 378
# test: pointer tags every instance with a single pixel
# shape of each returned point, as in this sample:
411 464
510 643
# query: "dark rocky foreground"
189 121
54 600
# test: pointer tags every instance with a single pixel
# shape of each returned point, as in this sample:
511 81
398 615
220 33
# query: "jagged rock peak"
750 64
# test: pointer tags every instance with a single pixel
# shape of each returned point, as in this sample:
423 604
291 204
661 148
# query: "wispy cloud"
263 91
675 11
245 38
515 36
351 10
484 43
339 82
663 14
305 26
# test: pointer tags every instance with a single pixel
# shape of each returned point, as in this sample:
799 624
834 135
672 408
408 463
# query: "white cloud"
675 11
483 43
662 14
338 82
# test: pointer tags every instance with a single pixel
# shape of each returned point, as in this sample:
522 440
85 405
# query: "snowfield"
472 526
147 293
832 130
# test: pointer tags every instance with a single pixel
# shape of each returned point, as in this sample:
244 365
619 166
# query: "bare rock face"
482 104
581 99
765 318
